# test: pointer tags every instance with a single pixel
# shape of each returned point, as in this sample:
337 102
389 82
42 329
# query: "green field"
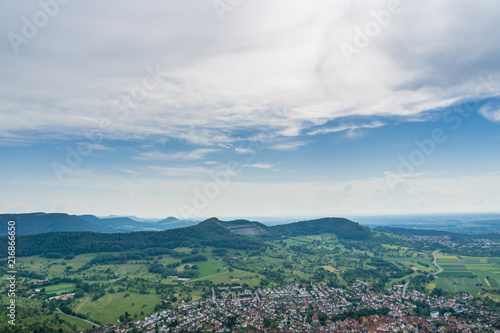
61 288
468 274
109 307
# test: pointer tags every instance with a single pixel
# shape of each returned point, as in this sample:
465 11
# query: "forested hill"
36 223
207 233
238 234
341 227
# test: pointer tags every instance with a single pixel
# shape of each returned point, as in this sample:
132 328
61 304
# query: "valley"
228 260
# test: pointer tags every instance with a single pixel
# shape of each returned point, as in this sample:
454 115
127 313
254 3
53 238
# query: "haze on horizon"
254 108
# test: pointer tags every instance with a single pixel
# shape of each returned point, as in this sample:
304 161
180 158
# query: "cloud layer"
175 70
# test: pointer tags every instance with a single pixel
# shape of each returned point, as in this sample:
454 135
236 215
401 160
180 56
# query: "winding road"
434 262
88 321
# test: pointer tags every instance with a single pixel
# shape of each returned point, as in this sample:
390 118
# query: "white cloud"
259 165
287 145
225 77
101 147
190 155
244 150
350 128
174 171
491 111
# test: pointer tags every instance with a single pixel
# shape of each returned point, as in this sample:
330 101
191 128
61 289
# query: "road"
434 262
213 295
404 288
88 321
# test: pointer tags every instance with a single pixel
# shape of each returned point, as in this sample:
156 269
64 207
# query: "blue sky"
328 108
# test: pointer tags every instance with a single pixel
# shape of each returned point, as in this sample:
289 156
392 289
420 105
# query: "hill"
237 234
341 227
35 223
206 233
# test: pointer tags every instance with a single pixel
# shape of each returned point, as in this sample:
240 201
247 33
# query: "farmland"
468 274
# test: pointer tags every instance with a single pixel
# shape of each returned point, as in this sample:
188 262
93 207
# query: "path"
434 262
88 321
227 270
82 305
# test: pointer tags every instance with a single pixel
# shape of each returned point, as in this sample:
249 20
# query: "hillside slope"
341 227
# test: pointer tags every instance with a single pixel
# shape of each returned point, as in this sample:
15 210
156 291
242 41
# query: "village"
308 308
446 241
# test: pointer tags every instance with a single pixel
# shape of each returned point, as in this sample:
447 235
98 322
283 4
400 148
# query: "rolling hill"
341 227
35 223
237 234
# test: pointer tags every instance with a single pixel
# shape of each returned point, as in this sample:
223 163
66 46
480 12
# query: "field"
108 306
468 274
61 288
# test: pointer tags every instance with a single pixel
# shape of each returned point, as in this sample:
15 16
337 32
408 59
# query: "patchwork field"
468 274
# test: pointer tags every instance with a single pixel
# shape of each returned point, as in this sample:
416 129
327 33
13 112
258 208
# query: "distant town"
308 308
447 241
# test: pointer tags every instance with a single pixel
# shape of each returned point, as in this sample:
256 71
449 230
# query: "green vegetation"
118 278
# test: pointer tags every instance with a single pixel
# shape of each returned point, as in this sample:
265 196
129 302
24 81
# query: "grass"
330 268
31 312
208 268
110 307
61 288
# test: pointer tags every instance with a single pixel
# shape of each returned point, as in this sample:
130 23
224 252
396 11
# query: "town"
318 308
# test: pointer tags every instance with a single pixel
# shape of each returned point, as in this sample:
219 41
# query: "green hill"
206 233
36 223
341 227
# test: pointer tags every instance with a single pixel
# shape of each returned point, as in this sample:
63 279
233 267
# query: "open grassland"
109 307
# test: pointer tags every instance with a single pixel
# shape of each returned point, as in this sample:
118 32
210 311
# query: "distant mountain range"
35 223
238 234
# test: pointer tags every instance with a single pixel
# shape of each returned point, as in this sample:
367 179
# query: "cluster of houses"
446 241
310 308
441 240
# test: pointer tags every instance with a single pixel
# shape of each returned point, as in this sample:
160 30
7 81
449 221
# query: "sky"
249 108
